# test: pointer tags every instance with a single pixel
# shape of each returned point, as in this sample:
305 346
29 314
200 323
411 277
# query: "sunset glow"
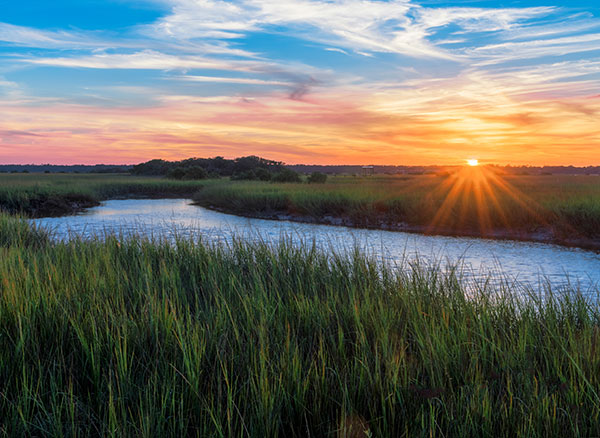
476 199
473 162
301 81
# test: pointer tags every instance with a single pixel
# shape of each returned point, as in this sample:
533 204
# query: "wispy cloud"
351 24
31 37
9 89
396 26
298 78
228 80
146 59
538 48
335 49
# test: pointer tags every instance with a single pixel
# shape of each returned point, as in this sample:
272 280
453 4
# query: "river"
526 264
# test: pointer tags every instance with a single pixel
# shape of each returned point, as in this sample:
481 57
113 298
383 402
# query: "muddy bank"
540 235
53 206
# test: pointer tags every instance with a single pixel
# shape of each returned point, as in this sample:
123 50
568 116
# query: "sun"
473 162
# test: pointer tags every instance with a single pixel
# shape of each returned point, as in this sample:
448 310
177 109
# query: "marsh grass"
567 206
140 337
55 195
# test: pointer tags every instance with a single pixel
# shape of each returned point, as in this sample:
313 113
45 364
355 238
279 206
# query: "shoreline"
545 236
68 207
58 207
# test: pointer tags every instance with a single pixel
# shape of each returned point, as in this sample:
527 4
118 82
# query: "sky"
395 82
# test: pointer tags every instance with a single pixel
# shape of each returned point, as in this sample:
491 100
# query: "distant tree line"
256 168
243 168
419 170
54 168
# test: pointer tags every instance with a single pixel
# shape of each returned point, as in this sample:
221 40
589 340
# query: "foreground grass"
140 338
482 204
55 195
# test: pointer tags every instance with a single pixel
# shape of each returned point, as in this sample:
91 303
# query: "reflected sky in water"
527 264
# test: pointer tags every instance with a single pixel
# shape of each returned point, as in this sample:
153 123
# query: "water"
524 264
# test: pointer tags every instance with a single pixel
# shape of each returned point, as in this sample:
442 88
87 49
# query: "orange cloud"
440 123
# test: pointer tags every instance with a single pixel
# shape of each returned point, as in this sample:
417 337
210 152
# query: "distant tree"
245 175
258 174
219 165
317 178
195 172
253 162
262 174
176 173
153 167
286 176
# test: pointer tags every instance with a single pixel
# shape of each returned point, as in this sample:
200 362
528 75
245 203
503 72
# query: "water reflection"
529 264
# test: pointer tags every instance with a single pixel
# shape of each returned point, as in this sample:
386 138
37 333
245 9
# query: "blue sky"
403 81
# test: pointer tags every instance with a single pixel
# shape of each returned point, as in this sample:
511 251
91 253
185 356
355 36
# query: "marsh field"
563 209
480 202
114 336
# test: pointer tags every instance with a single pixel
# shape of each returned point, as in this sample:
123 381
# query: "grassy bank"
476 202
141 338
39 195
472 202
